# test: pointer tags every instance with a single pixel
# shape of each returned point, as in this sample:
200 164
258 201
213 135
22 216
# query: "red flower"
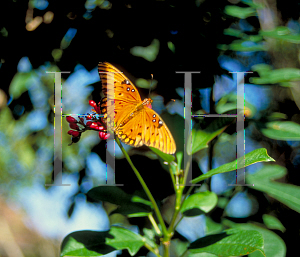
71 119
74 133
92 103
104 135
73 126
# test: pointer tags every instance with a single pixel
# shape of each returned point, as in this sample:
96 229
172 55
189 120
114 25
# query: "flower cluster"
94 123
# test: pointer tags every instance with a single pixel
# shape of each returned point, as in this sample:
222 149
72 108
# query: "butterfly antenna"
151 84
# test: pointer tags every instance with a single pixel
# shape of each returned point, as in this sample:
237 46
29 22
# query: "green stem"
172 177
179 201
154 250
147 191
186 171
185 196
176 211
154 224
167 248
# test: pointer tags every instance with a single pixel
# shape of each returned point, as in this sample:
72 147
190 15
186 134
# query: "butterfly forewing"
124 88
135 123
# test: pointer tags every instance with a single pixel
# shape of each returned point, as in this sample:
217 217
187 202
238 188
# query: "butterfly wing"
126 97
135 123
124 88
156 133
147 128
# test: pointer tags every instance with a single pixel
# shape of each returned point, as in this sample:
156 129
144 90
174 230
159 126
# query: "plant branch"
147 191
154 224
153 250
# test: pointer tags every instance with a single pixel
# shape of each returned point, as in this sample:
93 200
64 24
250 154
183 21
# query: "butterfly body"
132 119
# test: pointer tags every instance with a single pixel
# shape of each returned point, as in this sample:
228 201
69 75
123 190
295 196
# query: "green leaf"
239 12
273 223
149 52
171 46
137 199
18 84
282 130
269 76
143 83
178 247
202 255
212 227
125 239
179 157
232 242
132 214
86 243
92 243
274 246
234 32
204 201
117 196
282 33
149 233
149 237
222 202
285 193
57 54
242 46
255 38
201 137
166 157
277 115
258 155
113 195
229 103
262 69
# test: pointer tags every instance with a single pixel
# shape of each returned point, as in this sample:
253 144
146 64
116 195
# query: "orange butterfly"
135 123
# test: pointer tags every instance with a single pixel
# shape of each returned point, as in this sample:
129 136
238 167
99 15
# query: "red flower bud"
73 126
92 103
104 135
71 119
89 123
74 133
93 125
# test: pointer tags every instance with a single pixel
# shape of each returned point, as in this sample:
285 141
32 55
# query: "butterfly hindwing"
156 133
130 131
147 128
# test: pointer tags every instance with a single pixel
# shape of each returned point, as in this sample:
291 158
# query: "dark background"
194 27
